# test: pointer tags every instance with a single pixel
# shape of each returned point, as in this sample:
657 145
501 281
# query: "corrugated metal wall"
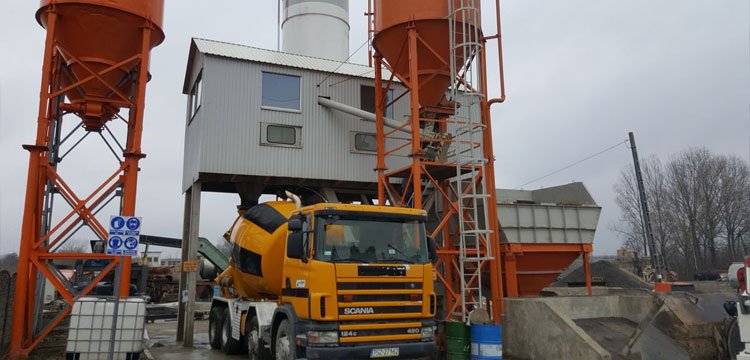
224 137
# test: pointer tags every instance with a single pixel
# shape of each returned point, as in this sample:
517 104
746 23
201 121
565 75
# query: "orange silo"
95 68
430 20
436 49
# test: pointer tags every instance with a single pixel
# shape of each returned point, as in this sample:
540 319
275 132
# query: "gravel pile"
612 275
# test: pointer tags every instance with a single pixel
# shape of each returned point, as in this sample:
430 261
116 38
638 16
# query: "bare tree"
73 246
9 262
700 209
734 199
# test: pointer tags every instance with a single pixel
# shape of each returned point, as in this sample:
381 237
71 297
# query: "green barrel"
457 341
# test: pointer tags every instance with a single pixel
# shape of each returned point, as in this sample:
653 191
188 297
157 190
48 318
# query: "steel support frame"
39 239
419 177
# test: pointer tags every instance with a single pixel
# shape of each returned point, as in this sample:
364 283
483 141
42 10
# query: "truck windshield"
370 239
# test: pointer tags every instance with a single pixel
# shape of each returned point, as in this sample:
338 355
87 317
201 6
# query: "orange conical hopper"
430 18
93 35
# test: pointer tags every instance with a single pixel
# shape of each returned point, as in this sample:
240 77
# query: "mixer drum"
258 248
101 33
430 18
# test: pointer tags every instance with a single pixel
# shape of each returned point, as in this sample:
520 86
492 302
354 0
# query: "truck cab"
356 283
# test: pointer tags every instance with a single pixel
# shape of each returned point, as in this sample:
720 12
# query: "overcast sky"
580 75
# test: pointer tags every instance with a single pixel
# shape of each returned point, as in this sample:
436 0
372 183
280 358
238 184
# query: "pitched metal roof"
253 54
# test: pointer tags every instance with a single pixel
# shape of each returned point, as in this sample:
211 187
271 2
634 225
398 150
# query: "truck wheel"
214 327
229 345
285 348
256 347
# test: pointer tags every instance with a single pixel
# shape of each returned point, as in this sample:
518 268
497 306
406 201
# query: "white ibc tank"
318 28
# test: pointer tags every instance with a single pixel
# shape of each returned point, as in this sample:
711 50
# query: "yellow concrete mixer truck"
327 281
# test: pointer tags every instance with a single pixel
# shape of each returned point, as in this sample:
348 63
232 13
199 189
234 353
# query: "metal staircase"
468 153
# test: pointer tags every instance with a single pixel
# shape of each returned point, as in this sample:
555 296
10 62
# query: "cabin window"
196 95
281 92
281 135
365 142
367 100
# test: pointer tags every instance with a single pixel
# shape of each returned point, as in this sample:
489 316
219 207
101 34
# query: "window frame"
195 96
353 142
264 135
390 111
276 108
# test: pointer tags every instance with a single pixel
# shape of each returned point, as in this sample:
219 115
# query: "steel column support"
40 236
186 308
133 150
21 330
416 143
380 127
587 270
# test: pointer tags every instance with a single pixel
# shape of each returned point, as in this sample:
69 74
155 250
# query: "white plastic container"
90 333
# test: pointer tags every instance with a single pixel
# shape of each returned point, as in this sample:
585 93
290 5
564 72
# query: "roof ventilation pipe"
318 28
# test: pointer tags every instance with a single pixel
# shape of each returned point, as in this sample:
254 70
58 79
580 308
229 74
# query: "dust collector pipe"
365 115
295 198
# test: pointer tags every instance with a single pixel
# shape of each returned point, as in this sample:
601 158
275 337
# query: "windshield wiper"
350 260
396 261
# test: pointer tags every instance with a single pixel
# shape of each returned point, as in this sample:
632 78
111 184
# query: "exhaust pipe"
295 198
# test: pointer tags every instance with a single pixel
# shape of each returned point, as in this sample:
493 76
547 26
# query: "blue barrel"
486 342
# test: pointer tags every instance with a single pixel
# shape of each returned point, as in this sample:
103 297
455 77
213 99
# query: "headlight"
323 337
428 332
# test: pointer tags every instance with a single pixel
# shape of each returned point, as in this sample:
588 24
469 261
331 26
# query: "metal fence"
7 289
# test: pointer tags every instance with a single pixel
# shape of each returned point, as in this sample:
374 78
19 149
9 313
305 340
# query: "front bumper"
411 350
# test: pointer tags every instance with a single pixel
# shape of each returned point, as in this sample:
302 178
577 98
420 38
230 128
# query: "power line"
573 164
344 62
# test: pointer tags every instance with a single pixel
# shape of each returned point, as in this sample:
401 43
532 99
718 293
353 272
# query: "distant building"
151 259
170 262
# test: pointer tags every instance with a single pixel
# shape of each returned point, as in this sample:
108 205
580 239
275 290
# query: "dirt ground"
162 344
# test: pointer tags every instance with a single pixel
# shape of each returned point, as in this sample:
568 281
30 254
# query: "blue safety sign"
124 235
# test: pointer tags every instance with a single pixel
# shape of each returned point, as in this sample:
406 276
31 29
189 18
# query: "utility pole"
646 217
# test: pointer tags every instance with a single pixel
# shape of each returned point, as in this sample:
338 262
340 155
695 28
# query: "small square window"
285 135
365 142
280 135
362 142
281 91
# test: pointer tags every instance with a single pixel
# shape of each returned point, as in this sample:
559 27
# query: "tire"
229 345
256 347
732 335
215 322
284 344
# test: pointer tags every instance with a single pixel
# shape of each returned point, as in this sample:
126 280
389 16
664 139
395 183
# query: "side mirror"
432 249
295 246
294 224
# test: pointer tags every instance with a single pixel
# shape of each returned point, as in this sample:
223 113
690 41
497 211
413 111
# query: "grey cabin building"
254 125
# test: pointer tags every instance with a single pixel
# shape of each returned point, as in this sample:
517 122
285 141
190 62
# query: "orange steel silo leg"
133 152
23 309
416 143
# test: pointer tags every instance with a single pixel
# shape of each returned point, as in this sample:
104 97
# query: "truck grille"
379 310
379 286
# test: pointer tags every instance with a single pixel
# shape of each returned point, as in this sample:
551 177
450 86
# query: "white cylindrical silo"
318 28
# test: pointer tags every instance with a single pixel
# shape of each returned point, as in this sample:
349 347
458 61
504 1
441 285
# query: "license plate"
383 353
